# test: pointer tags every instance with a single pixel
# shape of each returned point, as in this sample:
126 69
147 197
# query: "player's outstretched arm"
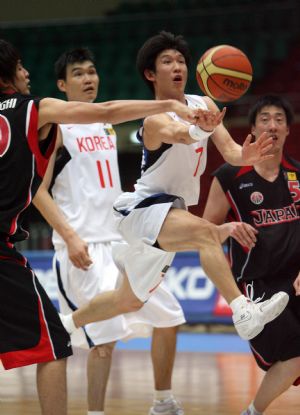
61 112
235 154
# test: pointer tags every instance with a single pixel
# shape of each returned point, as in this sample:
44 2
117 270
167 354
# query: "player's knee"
134 304
126 301
205 233
103 351
131 304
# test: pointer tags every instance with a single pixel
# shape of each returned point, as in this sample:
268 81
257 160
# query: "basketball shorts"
139 222
77 287
280 339
30 328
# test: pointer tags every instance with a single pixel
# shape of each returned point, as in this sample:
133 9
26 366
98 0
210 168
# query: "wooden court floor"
205 383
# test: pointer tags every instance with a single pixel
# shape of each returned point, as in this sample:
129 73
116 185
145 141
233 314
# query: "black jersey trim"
62 158
155 199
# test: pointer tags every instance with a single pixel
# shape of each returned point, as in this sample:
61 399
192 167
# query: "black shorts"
280 339
30 328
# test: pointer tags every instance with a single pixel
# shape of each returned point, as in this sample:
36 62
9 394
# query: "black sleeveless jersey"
23 161
273 209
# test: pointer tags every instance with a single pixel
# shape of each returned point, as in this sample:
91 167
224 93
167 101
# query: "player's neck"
269 169
179 96
8 90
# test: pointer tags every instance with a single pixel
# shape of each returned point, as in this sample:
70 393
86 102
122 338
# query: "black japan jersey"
23 161
273 209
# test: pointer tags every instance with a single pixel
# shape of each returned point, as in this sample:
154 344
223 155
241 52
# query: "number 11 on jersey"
102 168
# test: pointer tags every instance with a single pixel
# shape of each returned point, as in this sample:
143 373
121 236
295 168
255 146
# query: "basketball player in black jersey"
30 328
266 196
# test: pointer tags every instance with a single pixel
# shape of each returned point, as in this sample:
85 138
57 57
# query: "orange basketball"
224 73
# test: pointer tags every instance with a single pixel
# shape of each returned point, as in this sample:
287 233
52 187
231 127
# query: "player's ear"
4 84
287 130
149 75
61 85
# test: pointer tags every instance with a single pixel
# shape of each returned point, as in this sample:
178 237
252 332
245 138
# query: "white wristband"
197 134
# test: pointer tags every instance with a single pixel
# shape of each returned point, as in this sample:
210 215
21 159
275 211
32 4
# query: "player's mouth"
177 79
274 137
89 89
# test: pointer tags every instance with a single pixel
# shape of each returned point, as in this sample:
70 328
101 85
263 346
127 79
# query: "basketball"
224 73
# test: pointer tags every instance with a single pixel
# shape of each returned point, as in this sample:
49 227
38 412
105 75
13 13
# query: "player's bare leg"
183 231
52 387
277 380
98 368
107 305
163 352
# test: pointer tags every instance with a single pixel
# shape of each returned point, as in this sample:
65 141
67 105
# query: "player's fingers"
221 115
246 235
263 139
247 140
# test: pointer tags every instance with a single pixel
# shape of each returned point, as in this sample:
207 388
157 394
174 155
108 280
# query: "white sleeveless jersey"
178 168
87 181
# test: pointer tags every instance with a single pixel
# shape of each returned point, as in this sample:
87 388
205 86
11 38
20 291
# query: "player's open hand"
208 120
242 232
257 151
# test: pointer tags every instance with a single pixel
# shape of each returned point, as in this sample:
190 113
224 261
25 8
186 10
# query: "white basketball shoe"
166 407
250 317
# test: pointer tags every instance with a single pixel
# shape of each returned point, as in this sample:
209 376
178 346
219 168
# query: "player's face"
272 120
21 81
170 76
82 82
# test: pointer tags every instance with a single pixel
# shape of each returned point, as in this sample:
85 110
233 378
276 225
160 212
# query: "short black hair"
148 53
69 57
9 58
274 100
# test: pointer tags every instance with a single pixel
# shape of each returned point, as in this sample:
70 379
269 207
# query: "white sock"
95 413
236 304
253 410
162 395
68 323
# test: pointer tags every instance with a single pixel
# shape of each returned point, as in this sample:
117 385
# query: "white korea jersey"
176 170
87 181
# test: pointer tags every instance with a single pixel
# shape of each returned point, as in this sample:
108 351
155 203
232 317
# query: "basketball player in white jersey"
85 175
153 219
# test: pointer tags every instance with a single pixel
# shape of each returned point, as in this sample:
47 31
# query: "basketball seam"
206 86
219 86
230 56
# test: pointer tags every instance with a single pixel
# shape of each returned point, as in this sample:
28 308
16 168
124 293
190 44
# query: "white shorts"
77 287
139 222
